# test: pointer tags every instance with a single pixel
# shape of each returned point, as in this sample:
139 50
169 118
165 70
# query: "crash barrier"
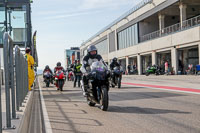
16 79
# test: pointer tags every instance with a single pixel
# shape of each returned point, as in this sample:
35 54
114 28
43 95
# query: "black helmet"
114 59
46 67
58 64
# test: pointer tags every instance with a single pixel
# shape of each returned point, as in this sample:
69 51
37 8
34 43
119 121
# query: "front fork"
82 86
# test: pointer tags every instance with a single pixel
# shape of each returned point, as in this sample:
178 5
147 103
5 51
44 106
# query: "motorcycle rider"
114 64
77 73
59 67
47 69
92 56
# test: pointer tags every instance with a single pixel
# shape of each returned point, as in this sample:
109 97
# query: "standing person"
166 67
31 74
77 73
129 69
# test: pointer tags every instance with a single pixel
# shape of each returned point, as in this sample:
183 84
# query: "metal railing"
172 29
14 68
0 100
21 72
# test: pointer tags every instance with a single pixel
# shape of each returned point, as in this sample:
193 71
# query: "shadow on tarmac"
65 118
138 110
122 96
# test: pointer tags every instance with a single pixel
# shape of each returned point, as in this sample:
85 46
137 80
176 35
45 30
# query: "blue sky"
62 24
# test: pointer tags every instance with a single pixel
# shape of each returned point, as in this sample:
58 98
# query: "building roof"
135 8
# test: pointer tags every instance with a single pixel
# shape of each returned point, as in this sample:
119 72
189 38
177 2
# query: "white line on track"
164 89
48 128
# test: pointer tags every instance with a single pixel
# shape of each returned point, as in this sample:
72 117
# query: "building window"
102 47
128 37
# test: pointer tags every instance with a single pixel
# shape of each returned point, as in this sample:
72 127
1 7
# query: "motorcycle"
116 77
47 78
70 76
153 70
60 79
98 85
134 71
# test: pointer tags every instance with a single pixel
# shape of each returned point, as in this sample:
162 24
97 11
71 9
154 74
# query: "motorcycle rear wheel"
147 73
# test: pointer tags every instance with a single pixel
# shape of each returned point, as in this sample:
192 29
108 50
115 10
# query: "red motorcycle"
70 76
60 79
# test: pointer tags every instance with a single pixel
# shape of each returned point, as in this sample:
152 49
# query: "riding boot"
85 91
79 84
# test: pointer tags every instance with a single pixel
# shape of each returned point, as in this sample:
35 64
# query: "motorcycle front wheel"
147 73
119 82
60 85
104 98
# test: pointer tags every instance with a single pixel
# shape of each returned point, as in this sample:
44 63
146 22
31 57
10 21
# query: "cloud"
96 4
75 14
85 7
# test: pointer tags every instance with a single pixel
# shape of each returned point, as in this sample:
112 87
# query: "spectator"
129 69
77 73
31 62
166 67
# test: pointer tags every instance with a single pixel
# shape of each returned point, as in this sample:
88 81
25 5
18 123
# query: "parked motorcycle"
134 71
153 70
98 86
60 80
116 77
47 78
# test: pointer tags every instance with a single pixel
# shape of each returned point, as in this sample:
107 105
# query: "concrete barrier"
25 119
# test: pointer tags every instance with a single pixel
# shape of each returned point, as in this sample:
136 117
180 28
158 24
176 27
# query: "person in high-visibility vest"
77 73
31 74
